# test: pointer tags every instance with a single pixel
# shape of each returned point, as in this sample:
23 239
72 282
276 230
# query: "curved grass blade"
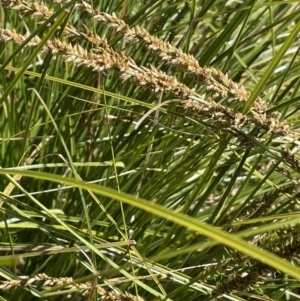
182 219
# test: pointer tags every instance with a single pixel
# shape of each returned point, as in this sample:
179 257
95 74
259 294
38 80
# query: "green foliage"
114 185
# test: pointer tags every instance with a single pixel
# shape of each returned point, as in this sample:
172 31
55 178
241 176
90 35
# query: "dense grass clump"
149 150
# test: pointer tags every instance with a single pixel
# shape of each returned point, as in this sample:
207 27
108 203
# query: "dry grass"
84 289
